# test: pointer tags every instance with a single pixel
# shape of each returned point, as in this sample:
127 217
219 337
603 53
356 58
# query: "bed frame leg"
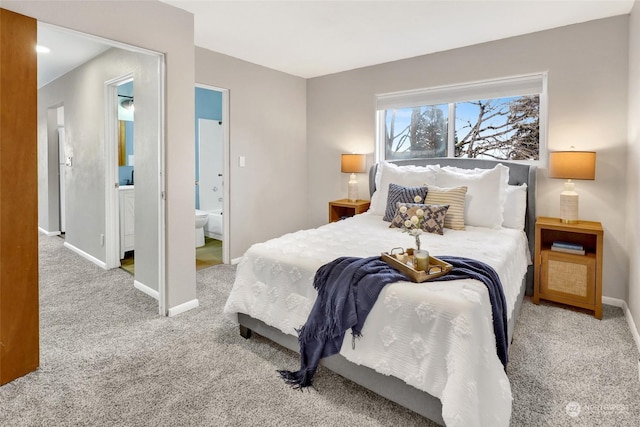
245 332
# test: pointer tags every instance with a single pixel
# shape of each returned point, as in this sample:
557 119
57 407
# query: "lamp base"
569 204
569 221
353 188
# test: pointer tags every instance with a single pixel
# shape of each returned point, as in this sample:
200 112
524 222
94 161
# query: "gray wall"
267 125
587 86
633 166
146 25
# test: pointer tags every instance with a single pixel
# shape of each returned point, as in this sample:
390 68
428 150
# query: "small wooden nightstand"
342 208
564 277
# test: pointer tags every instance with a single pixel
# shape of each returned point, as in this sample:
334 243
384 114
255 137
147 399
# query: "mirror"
125 143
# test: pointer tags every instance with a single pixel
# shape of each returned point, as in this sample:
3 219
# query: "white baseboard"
174 311
85 255
147 290
614 302
627 314
48 233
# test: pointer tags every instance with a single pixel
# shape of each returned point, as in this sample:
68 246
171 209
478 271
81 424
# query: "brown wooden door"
19 325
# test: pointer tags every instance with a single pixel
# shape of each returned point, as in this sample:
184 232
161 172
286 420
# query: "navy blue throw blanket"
348 287
347 290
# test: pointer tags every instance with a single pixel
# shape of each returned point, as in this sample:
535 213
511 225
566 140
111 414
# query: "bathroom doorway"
125 165
211 193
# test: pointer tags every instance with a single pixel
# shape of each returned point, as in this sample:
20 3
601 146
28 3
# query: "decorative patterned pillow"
455 198
398 193
406 176
434 216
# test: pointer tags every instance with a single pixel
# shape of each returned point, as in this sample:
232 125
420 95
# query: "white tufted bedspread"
437 337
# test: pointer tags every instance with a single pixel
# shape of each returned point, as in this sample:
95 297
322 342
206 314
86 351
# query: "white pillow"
515 207
406 176
503 169
486 193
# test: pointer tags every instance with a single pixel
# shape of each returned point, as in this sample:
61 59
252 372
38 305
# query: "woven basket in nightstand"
569 276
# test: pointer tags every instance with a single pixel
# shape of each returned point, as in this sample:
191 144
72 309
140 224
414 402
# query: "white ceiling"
68 50
313 38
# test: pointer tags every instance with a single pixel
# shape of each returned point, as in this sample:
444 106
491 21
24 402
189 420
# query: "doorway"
212 160
123 90
91 131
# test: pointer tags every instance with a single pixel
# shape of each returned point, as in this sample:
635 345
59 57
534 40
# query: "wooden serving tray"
437 267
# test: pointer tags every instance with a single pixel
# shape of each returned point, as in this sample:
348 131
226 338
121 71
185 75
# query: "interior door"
19 320
210 164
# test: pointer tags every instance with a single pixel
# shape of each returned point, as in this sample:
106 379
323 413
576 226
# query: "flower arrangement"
413 225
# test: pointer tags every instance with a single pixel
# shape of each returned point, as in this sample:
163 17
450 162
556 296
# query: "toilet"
201 220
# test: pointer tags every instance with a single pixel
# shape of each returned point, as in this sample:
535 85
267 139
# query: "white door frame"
226 205
162 281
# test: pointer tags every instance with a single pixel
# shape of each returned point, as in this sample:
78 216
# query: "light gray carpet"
107 358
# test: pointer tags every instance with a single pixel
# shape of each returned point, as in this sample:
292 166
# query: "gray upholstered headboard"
518 174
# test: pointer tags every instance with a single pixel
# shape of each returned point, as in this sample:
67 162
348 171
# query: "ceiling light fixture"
42 49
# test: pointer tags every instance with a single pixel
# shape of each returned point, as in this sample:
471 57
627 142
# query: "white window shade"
500 88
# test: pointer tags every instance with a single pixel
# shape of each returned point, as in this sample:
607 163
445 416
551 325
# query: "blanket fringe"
298 380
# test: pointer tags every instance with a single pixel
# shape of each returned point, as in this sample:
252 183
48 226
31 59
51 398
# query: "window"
499 119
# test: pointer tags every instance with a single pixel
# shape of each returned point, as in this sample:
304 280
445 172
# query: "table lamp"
571 165
353 164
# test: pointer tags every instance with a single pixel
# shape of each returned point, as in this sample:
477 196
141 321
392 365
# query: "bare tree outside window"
500 128
416 132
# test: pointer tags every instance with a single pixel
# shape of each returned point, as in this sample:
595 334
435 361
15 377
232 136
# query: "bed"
427 346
